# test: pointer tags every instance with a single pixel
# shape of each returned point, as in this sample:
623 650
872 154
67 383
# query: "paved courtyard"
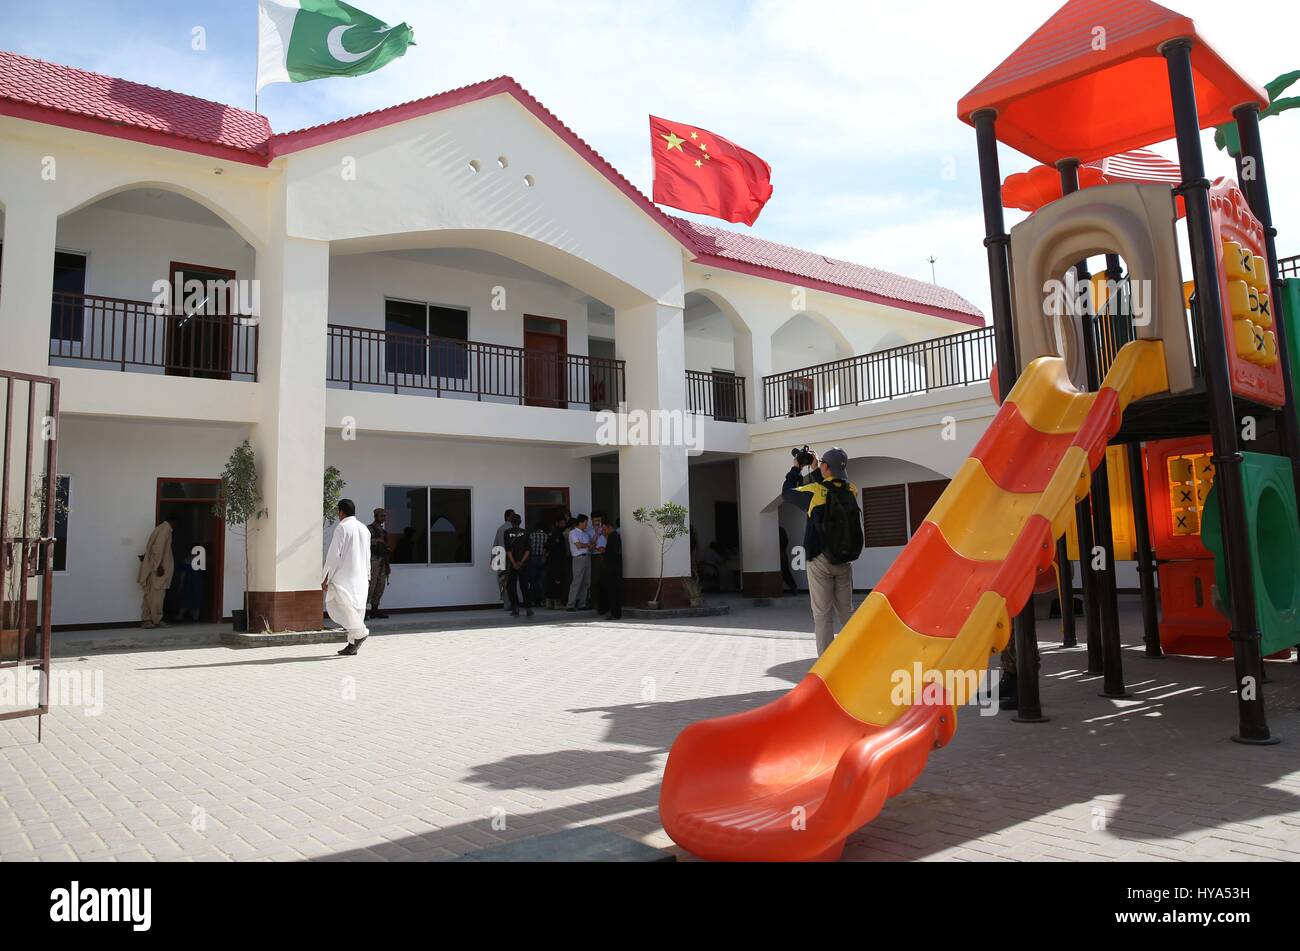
432 745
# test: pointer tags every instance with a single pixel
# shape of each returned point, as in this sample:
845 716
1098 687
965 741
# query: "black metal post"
1088 579
998 246
1146 558
1103 604
1195 189
1065 591
1254 182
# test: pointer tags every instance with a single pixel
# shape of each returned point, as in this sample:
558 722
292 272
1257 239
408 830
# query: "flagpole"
257 54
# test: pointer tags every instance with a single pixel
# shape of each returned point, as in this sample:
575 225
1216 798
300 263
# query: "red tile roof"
64 95
720 246
76 98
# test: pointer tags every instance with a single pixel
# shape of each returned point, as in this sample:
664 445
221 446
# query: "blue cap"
837 461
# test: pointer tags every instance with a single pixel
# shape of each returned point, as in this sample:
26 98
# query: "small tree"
334 486
668 522
241 500
16 575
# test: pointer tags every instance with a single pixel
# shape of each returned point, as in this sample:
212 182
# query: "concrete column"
753 351
651 339
26 285
290 437
759 477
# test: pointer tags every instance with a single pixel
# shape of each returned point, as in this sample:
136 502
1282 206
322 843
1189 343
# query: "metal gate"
29 501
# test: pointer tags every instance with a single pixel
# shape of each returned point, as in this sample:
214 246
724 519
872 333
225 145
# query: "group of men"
577 563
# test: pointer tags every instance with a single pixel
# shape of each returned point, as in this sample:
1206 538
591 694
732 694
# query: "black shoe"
530 612
1009 695
350 650
571 610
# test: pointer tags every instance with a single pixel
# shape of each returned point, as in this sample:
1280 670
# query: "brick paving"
429 746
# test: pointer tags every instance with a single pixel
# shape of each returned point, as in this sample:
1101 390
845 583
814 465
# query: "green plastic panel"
1274 530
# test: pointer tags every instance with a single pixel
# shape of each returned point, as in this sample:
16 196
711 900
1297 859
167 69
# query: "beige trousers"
151 611
831 589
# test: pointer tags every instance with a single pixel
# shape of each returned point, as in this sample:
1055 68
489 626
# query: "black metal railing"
1289 267
114 333
718 394
439 366
958 360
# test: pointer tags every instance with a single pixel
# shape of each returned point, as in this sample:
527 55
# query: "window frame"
429 338
428 490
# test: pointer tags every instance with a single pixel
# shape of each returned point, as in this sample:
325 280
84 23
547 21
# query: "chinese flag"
698 171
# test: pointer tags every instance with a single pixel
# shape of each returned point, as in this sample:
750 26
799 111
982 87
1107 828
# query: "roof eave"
784 277
166 140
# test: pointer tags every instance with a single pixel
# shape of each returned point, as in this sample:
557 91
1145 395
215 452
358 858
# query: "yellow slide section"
948 599
837 746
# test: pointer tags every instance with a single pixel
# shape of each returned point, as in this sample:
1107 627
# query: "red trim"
299 140
165 140
772 274
290 142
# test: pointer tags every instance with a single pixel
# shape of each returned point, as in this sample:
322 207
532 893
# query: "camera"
803 457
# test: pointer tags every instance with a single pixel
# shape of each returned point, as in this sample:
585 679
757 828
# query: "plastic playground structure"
1161 365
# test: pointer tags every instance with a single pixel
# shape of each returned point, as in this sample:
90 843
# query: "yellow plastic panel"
863 665
1239 293
1238 262
1261 274
1047 400
979 519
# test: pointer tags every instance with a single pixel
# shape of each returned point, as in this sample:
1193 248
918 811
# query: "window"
884 516
426 340
799 396
921 497
428 526
67 310
892 514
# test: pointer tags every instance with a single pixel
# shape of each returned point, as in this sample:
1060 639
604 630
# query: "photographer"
832 538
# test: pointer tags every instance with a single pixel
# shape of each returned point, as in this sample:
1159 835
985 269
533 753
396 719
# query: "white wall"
497 476
126 252
707 354
360 282
115 466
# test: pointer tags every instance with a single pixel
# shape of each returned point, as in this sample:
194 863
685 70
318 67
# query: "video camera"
803 457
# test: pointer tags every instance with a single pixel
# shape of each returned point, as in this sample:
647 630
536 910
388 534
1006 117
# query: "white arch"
233 221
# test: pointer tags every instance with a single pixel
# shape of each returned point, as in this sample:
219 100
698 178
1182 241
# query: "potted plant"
668 522
240 504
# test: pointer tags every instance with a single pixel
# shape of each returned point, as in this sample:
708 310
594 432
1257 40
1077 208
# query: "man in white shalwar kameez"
347 577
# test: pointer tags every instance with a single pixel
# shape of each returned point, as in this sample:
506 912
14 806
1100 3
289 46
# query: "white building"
449 291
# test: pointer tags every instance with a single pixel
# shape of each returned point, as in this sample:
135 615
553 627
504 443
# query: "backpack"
841 524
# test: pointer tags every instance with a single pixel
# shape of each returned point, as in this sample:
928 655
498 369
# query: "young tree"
241 501
668 522
334 486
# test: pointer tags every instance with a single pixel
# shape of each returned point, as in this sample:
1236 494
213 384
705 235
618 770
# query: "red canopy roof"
1041 185
1091 82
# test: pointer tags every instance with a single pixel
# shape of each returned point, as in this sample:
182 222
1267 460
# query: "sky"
852 102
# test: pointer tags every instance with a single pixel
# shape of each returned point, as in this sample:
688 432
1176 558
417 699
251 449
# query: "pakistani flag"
300 40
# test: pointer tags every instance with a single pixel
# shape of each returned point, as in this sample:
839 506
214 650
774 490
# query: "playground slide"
792 780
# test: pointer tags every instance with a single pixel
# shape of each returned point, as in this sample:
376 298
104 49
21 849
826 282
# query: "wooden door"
546 343
200 340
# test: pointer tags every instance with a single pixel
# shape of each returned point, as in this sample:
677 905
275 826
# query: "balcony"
717 394
958 360
112 333
365 358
